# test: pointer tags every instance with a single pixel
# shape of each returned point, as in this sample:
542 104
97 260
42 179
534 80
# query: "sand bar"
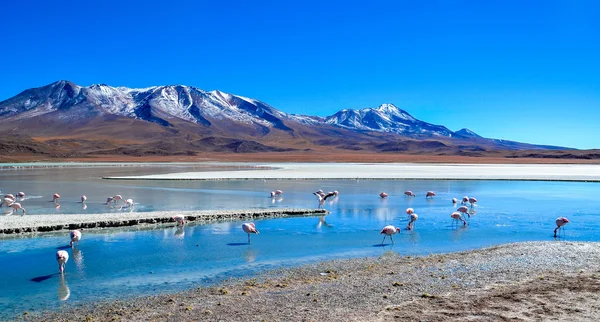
48 223
399 171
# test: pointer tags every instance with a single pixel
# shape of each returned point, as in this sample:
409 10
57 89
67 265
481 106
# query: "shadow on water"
64 247
43 278
238 244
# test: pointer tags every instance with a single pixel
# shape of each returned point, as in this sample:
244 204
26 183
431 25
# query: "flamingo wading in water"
383 195
430 194
389 230
62 257
55 197
560 222
75 237
83 198
249 228
472 201
413 218
16 206
180 219
409 194
457 217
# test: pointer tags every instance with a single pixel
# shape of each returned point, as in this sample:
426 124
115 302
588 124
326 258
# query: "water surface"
129 262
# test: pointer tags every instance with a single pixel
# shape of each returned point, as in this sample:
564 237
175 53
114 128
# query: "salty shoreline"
390 171
48 223
521 281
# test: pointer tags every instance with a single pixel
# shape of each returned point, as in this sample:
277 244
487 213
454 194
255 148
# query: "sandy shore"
47 223
295 171
531 281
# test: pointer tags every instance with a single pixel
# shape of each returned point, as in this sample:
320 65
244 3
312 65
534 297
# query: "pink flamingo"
116 199
383 195
16 206
6 201
413 218
249 228
410 211
472 201
464 210
55 197
278 192
128 204
409 194
62 257
9 196
272 194
560 221
389 230
180 219
430 194
457 217
454 201
83 198
21 194
75 237
465 199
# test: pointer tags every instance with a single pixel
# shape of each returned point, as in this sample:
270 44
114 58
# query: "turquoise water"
116 264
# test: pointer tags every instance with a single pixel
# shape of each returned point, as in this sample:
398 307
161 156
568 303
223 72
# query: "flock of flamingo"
62 256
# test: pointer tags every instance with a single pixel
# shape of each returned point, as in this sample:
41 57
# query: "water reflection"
323 223
250 254
63 289
78 259
179 232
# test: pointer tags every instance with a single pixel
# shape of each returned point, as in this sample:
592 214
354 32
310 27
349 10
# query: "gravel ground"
533 281
47 223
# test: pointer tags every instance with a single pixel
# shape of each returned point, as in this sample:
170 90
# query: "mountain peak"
467 133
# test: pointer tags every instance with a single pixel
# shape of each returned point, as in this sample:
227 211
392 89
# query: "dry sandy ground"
567 172
535 281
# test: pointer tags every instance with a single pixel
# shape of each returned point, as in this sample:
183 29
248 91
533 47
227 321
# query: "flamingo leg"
383 240
248 238
392 238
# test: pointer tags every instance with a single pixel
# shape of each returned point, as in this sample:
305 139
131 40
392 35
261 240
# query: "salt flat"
297 171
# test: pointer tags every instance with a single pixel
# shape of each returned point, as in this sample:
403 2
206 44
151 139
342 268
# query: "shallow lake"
127 262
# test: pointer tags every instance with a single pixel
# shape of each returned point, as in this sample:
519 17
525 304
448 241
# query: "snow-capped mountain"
185 119
386 118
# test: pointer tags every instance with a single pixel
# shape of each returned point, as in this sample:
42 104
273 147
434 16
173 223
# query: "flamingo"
389 230
21 194
116 198
278 192
6 201
413 218
457 217
323 197
108 200
410 211
409 194
560 221
472 201
62 257
319 192
272 194
180 219
454 200
83 198
128 204
75 237
10 196
55 197
465 199
383 195
16 206
249 228
430 194
336 193
464 210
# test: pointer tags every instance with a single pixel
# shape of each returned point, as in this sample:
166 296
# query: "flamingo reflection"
63 289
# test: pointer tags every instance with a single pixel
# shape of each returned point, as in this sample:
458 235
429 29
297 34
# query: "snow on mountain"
386 118
467 133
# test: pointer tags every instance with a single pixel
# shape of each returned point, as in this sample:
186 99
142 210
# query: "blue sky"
521 70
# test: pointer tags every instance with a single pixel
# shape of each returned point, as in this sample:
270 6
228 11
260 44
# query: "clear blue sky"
520 70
